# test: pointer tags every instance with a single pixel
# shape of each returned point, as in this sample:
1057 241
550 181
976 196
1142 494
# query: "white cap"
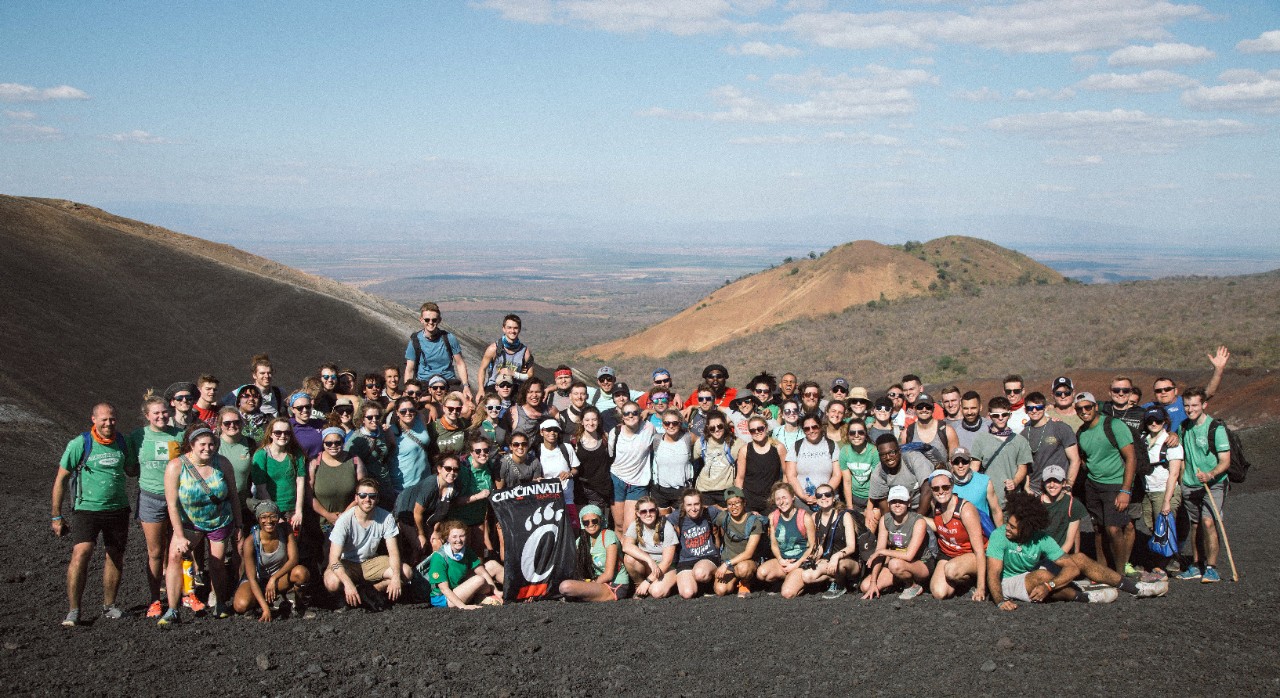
898 493
550 424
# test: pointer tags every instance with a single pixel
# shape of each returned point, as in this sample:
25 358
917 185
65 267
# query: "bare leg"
111 567
76 572
155 535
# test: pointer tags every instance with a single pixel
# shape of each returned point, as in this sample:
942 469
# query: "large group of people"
373 489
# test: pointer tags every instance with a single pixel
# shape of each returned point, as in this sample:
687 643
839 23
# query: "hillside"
852 274
101 307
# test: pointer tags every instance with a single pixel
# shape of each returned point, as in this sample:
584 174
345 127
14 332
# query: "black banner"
539 539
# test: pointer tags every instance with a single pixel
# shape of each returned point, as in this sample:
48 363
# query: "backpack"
929 449
690 471
1141 461
87 442
415 338
704 481
1239 467
775 516
1164 535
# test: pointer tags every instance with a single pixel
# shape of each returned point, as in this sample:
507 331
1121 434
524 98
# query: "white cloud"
769 140
1117 130
1031 26
876 91
860 138
25 133
982 94
1084 63
680 17
13 92
952 143
1044 93
1159 56
1081 161
763 50
136 136
19 115
1146 82
1244 90
1268 42
1233 176
1055 188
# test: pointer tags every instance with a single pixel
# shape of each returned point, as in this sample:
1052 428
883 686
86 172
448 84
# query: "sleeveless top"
953 537
937 451
203 502
504 362
522 423
335 485
790 541
900 534
593 468
763 469
268 563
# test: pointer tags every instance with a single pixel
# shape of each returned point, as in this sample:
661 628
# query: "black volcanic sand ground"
1202 638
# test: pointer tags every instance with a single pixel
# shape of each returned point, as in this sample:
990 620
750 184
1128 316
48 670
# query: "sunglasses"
300 408
373 417
705 398
825 495
761 391
671 424
941 488
791 411
453 408
182 398
1162 391
647 510
924 405
882 409
1035 408
838 389
715 427
593 521
279 433
519 444
757 430
480 451
345 409
447 469
1121 391
232 423
436 387
1086 408
811 428
894 396
366 495
430 320
857 432
406 410
630 413
661 398
662 381
961 461
493 408
411 393
333 444
328 376
606 377
1013 391
715 376
1063 393
809 394
1000 415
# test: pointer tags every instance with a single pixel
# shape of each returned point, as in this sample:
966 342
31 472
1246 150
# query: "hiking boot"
193 602
1100 595
1190 574
170 617
911 592
1210 575
155 610
72 619
1149 589
112 612
834 591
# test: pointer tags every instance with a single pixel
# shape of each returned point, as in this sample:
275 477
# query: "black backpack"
416 338
1141 460
1239 467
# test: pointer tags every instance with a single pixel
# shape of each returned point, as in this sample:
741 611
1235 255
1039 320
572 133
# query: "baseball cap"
1156 412
840 383
960 452
1055 472
731 492
605 371
1063 382
884 403
621 389
898 493
924 400
1085 397
550 424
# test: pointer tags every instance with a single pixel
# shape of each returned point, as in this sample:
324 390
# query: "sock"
1127 586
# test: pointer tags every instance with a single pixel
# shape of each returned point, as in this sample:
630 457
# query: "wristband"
336 566
1125 492
56 518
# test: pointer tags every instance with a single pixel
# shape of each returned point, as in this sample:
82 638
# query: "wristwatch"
1051 585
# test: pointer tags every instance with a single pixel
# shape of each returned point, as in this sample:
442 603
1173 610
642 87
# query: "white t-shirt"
669 538
553 463
814 463
360 543
631 455
1159 476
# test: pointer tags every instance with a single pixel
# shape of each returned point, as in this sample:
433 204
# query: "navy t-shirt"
696 541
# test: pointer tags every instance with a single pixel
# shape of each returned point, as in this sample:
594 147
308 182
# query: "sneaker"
1101 595
834 591
1130 570
1155 575
1192 572
170 617
72 619
1174 567
743 591
112 612
221 610
193 602
1148 589
911 592
155 610
1210 575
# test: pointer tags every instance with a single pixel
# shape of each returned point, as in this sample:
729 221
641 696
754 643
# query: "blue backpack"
1164 536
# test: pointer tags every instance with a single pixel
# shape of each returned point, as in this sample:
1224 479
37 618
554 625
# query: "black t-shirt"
593 468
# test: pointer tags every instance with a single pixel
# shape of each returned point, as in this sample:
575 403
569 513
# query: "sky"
752 118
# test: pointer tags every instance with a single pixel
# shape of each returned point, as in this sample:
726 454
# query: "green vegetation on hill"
1032 328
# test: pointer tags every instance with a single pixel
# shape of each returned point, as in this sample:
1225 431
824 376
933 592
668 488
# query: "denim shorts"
625 492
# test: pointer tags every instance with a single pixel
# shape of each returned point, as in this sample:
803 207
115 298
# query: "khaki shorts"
372 570
1152 502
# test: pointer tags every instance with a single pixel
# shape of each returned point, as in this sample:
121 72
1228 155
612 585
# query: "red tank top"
953 537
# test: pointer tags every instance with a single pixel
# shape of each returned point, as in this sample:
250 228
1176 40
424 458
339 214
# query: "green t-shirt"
154 449
442 568
277 479
240 454
859 466
1061 513
1020 558
1199 457
103 477
1104 462
470 481
599 552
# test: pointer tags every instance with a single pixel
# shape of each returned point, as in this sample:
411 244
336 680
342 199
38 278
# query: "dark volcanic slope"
93 312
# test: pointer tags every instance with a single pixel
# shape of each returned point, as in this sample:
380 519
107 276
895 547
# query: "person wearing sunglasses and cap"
973 486
1065 513
899 559
935 437
558 459
271 569
355 568
1063 408
740 534
882 420
716 377
962 555
601 574
744 408
342 415
1110 475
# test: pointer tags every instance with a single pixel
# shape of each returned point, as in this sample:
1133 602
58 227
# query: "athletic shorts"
439 601
1015 587
626 492
621 591
1197 508
688 565
666 497
152 508
1100 501
113 525
217 535
372 570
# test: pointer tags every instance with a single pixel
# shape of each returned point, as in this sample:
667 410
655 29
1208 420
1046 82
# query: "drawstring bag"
1164 536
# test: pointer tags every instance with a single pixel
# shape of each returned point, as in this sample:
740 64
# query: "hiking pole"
1217 516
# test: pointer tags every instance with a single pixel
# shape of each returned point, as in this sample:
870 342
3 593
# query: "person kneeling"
355 568
456 574
740 534
271 566
962 559
602 577
898 557
837 549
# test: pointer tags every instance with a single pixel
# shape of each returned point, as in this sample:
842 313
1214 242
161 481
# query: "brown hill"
99 307
849 275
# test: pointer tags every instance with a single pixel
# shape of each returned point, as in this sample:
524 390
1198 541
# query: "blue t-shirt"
1175 411
975 492
436 357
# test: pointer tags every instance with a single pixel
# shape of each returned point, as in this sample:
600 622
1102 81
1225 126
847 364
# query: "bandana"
1002 433
510 347
457 557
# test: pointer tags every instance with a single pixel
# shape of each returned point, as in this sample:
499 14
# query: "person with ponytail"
154 444
456 574
601 574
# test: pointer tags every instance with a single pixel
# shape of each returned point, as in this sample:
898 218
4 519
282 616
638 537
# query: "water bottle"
188 583
809 488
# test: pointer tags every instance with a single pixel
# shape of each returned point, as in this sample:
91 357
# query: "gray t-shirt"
966 437
360 543
1006 462
913 468
645 543
1049 445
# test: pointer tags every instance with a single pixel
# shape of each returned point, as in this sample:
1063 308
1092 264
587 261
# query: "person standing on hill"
912 389
558 395
716 376
1111 472
272 400
206 407
1207 455
950 402
508 356
1052 443
998 452
1166 390
1015 391
971 422
181 396
1063 408
787 385
154 445
432 351
96 463
390 385
936 436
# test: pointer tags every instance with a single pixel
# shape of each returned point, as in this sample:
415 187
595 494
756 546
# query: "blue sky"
664 115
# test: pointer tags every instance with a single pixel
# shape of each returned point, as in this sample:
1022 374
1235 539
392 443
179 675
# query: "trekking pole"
1217 516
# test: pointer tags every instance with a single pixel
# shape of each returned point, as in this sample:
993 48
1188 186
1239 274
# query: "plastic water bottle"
809 488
